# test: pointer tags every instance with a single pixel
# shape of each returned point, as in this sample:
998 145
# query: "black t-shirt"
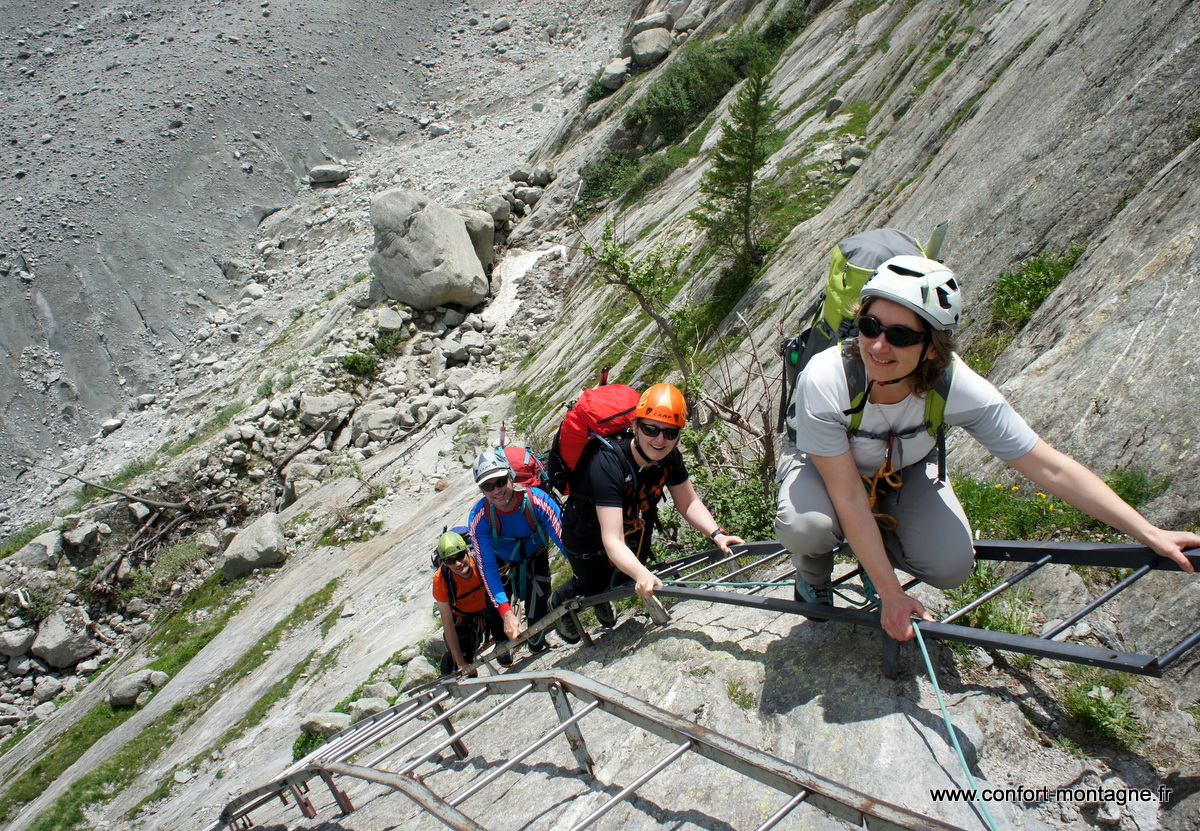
611 478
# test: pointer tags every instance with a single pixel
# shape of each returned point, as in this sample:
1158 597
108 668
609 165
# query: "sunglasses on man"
651 431
898 336
492 484
456 559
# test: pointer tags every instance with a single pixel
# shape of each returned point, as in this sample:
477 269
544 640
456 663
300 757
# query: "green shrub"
1019 293
688 89
361 363
388 342
608 177
1015 298
1096 701
305 744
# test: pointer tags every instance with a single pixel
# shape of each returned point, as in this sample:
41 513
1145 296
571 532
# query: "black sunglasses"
456 559
492 484
898 336
652 431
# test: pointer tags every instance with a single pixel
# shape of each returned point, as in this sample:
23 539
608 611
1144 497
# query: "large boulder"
125 692
62 639
615 73
325 724
651 46
42 551
377 423
315 410
498 208
14 642
262 544
659 20
423 254
482 231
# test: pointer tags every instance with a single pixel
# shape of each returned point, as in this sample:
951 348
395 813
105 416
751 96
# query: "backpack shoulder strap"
533 521
935 415
617 452
935 401
856 382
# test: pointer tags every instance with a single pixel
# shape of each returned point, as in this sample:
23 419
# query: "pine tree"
733 201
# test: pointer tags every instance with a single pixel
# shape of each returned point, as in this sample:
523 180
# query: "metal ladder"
1037 554
716 570
411 734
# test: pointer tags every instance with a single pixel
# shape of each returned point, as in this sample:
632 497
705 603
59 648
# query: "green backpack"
827 321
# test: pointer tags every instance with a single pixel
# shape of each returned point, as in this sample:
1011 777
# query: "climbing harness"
886 479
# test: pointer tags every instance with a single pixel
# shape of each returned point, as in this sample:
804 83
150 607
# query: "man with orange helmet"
613 502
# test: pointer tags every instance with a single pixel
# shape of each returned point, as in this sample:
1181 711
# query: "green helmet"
450 545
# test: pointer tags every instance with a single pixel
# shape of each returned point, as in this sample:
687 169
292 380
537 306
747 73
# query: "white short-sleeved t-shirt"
822 395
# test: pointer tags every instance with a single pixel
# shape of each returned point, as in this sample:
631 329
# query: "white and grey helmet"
491 463
926 286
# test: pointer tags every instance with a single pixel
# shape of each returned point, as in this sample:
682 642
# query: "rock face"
62 639
423 254
259 546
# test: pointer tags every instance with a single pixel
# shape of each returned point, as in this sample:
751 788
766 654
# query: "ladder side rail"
1059 650
415 790
1103 555
831 797
1098 602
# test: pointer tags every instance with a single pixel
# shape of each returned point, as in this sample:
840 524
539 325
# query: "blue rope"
950 728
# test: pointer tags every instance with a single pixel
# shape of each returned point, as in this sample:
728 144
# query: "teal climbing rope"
962 760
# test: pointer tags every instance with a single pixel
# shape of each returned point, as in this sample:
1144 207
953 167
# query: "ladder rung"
489 778
633 786
784 811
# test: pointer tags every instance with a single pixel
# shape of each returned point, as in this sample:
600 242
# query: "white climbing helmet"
491 463
923 285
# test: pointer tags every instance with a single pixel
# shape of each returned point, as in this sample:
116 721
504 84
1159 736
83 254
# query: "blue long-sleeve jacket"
515 539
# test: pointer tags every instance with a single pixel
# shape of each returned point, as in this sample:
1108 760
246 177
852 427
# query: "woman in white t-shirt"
906 514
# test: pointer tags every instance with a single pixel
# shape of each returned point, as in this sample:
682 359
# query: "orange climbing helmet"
663 402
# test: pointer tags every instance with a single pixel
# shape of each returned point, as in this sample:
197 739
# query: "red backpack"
527 468
599 412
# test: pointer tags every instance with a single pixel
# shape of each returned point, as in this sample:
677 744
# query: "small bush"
1096 701
305 744
739 695
1015 298
596 90
1019 293
361 363
388 342
266 387
603 180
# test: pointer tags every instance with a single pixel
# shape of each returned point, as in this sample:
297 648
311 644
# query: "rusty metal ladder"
426 714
